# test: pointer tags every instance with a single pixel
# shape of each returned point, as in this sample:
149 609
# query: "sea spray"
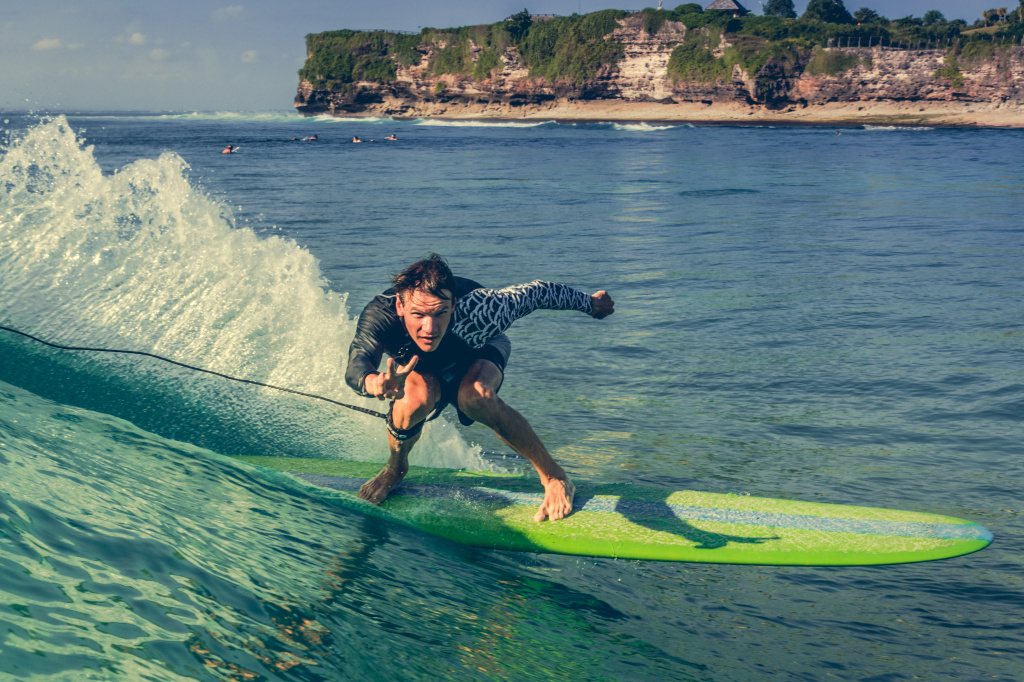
143 259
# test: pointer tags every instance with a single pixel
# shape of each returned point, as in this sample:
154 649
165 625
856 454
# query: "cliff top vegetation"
574 48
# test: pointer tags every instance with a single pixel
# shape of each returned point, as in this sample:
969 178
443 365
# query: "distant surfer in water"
391 137
230 149
446 342
356 139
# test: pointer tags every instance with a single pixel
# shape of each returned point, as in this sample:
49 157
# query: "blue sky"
241 55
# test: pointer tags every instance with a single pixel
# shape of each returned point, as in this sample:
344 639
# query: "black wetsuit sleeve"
376 324
482 314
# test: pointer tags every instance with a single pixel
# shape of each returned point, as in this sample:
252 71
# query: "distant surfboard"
495 511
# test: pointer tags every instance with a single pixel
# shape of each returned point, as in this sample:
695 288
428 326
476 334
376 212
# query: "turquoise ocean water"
800 314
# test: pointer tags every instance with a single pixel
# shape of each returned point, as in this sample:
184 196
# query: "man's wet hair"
431 274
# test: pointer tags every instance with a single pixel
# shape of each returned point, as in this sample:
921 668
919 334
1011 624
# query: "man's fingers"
385 376
393 380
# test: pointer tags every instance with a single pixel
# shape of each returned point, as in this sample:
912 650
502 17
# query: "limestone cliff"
872 76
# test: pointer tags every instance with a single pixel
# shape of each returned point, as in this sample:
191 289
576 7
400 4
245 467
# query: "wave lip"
145 260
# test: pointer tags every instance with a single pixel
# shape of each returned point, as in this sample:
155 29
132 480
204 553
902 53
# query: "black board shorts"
497 350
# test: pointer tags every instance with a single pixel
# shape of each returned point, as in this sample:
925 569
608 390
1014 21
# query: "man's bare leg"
479 400
421 394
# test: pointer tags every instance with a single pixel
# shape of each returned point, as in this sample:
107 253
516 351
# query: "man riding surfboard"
445 338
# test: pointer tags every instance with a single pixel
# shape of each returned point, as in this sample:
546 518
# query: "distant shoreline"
939 114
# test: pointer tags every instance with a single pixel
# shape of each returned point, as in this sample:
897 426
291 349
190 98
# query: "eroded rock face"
641 76
882 75
901 75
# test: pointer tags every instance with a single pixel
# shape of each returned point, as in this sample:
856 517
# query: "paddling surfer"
445 338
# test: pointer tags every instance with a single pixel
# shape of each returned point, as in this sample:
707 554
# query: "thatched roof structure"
732 6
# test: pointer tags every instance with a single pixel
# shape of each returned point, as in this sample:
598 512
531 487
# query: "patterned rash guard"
482 314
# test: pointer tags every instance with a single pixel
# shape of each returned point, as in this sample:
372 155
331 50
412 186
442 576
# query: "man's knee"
477 398
421 395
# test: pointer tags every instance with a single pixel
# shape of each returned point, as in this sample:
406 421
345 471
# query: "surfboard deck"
495 511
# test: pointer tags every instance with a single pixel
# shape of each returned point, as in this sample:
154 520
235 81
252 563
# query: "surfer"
392 137
355 139
230 149
446 342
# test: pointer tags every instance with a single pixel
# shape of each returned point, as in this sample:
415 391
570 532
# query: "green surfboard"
490 510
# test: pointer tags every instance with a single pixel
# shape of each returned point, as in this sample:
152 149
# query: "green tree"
519 25
782 9
908 21
933 17
866 15
831 11
653 19
690 8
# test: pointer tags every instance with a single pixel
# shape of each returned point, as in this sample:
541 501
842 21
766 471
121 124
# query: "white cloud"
228 13
158 55
47 44
137 39
249 56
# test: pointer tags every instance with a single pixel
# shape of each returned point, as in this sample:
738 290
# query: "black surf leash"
197 369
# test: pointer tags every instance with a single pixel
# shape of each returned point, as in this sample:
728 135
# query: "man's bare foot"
380 486
557 502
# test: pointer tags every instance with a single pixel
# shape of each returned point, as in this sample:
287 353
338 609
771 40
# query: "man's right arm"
369 343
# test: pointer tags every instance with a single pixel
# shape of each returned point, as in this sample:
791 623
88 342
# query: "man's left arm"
484 313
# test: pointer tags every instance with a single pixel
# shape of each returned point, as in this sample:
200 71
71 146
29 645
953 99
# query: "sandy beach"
920 113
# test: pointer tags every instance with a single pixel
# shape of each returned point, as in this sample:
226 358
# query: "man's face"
426 317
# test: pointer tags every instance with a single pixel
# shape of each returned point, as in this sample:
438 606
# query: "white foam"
289 117
327 118
144 260
870 127
238 116
647 127
450 123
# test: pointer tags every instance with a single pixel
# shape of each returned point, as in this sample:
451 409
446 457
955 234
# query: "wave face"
143 260
126 556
